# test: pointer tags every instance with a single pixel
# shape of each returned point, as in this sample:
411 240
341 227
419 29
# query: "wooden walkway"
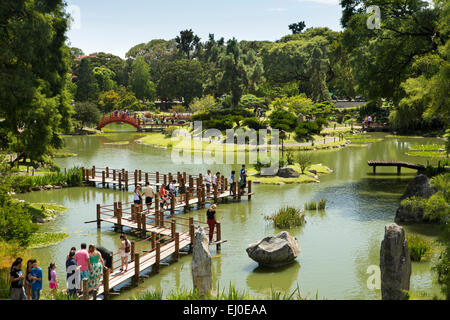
398 164
164 232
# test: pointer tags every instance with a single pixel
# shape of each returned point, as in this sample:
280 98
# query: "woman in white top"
125 249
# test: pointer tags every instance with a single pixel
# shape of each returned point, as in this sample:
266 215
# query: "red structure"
119 118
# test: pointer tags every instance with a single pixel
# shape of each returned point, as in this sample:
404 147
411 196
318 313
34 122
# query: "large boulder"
287 172
395 264
420 186
275 251
201 263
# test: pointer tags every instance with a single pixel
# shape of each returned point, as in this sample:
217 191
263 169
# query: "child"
53 284
36 276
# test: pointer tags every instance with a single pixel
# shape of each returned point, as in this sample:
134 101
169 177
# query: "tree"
87 86
181 79
87 113
140 80
187 41
202 104
304 160
108 101
76 52
297 27
239 71
104 78
128 101
33 70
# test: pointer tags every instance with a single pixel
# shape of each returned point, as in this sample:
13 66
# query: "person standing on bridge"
96 264
125 249
137 195
149 194
211 216
208 180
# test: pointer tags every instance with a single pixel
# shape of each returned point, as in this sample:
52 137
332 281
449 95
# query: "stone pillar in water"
395 264
201 263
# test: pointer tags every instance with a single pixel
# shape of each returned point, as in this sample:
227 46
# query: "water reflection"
282 279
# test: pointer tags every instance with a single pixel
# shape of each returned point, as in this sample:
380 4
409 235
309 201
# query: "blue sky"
115 26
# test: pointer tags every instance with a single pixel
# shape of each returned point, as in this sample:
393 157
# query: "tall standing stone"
201 263
395 264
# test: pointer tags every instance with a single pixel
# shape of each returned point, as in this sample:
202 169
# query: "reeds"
288 217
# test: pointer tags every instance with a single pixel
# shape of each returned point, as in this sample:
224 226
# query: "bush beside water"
419 248
288 217
73 178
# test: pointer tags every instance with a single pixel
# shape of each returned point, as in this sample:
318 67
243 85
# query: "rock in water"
395 264
288 173
275 251
420 186
201 263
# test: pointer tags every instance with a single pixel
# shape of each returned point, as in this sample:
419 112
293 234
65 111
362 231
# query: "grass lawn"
303 178
428 154
428 147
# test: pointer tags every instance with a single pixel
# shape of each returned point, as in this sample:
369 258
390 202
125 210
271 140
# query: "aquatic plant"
312 205
419 247
288 217
45 239
321 204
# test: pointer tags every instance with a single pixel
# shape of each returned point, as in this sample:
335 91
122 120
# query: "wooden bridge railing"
398 164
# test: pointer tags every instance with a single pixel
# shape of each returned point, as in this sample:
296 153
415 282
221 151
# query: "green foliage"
45 239
427 147
33 72
140 80
104 78
288 217
170 131
304 160
73 178
15 221
312 206
181 79
290 158
419 247
203 104
250 101
282 120
108 101
254 123
322 204
87 113
238 71
87 85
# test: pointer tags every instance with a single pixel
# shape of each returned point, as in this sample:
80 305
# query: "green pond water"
337 247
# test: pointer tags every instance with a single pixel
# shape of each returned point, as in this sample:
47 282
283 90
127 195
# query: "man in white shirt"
208 179
149 194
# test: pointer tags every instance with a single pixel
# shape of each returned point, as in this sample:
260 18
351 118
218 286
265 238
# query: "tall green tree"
297 27
239 71
140 80
182 79
87 85
187 42
34 63
104 77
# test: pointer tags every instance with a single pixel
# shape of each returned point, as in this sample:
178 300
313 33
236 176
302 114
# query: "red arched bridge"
124 118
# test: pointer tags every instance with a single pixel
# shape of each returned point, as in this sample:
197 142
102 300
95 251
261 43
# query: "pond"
337 246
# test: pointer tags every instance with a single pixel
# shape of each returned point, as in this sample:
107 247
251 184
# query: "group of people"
82 264
121 113
165 193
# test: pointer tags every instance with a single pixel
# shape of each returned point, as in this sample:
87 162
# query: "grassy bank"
71 178
254 175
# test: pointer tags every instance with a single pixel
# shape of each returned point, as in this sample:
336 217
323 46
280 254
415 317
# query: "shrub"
288 217
419 247
321 204
312 205
303 160
170 131
255 124
290 158
283 120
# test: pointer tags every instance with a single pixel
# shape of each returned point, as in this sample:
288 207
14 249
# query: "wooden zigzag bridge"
398 164
165 233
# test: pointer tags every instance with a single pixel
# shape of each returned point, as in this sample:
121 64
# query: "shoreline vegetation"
308 177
